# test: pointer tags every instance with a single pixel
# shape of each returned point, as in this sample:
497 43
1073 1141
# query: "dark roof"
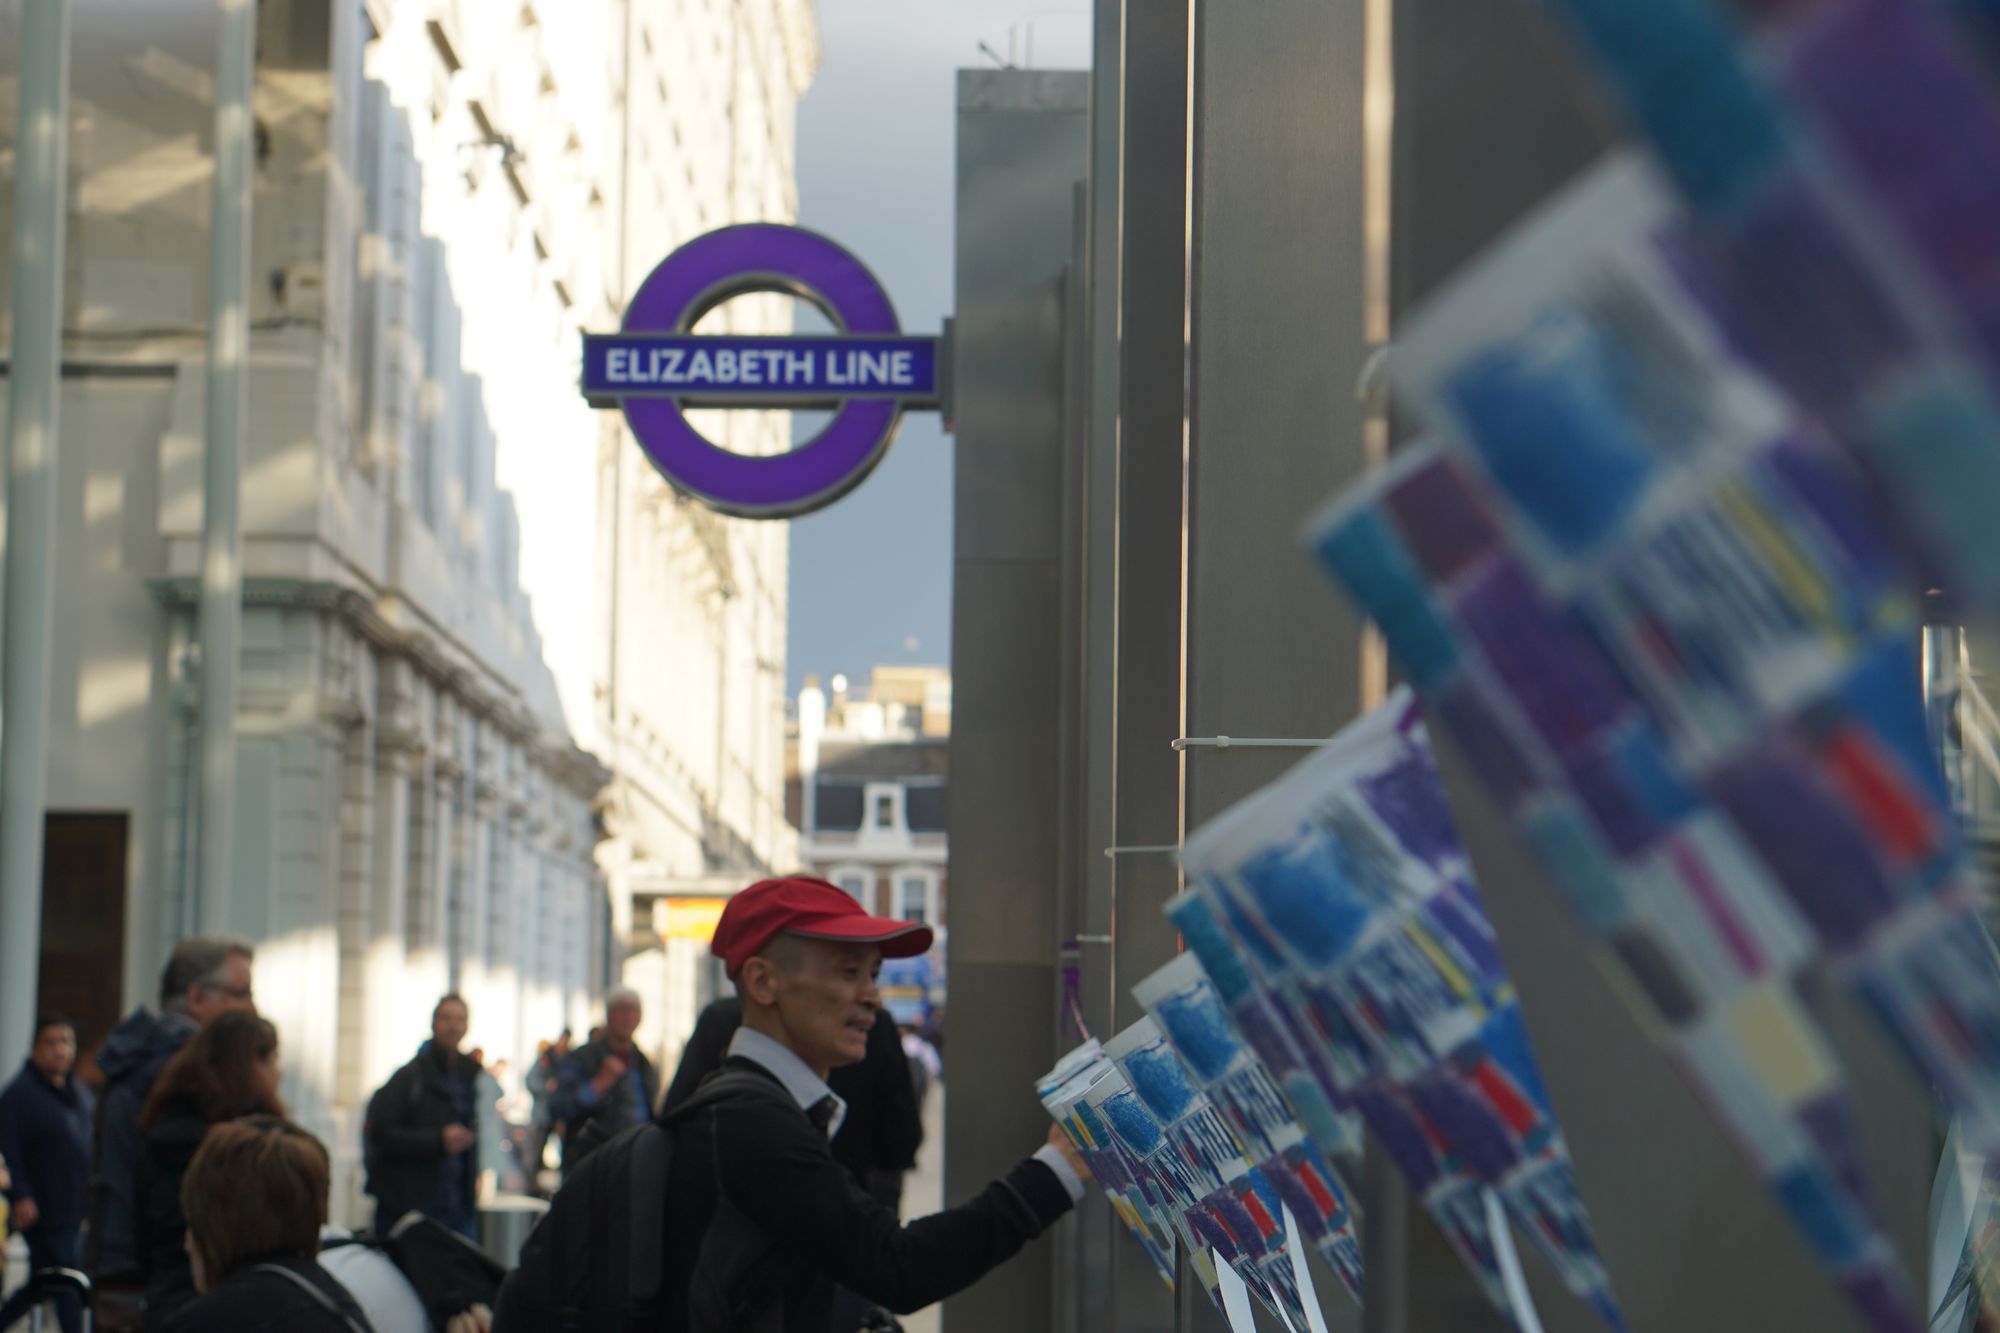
837 807
925 809
885 762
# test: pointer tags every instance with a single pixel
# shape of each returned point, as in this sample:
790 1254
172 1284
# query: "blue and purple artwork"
1136 1197
1191 1016
1339 897
1227 1202
1703 711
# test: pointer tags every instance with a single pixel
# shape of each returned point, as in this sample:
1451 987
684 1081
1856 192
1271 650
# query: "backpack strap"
325 1301
649 1224
723 1084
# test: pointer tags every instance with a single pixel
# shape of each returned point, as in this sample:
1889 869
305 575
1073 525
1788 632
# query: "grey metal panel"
1023 146
1151 446
1088 1297
1491 116
1149 542
1278 318
1278 346
1083 1240
1004 748
999 1024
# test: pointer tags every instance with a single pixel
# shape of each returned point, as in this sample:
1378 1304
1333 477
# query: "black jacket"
884 1126
131 1059
576 1104
169 1145
761 1159
403 1133
254 1301
45 1137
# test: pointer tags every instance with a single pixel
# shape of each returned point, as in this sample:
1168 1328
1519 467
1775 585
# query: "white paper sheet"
1302 1274
1509 1260
1236 1297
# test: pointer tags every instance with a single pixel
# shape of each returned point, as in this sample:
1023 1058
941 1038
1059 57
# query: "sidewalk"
923 1190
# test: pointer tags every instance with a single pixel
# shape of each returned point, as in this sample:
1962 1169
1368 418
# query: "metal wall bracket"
1186 743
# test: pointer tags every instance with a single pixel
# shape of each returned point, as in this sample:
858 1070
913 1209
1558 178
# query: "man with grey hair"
205 975
606 1085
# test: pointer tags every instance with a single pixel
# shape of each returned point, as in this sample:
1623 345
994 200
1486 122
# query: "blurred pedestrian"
925 1066
487 1094
229 1070
542 1078
607 1085
45 1121
255 1199
206 975
420 1133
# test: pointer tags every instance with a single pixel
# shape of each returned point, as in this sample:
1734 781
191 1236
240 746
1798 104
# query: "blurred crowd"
183 1197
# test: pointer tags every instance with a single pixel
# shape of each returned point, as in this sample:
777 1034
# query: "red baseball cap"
814 908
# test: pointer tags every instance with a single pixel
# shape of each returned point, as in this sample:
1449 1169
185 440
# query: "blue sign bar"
776 372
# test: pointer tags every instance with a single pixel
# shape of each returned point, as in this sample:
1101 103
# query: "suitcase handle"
48 1283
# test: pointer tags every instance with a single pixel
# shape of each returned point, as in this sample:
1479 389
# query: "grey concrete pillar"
41 174
390 999
225 415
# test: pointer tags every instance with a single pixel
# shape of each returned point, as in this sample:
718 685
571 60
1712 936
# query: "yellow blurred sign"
688 918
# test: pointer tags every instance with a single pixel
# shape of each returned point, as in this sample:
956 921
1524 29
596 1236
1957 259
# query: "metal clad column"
1023 145
41 191
228 398
1278 319
1492 116
1085 1295
1151 453
1149 542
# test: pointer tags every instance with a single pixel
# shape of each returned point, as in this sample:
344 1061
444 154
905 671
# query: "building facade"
445 779
687 701
870 782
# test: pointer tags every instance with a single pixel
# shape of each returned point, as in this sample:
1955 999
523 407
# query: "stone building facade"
495 680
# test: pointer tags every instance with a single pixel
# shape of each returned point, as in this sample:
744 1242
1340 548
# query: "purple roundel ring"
762 257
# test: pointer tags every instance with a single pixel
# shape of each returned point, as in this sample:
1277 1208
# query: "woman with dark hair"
227 1070
255 1197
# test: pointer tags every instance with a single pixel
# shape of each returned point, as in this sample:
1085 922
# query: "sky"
871 575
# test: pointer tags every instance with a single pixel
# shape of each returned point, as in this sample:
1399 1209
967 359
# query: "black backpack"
592 1264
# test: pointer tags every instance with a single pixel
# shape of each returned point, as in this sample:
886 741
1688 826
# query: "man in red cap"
762 1221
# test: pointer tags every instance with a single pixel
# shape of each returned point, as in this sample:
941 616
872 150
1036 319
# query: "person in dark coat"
421 1131
878 1139
755 1175
229 1070
45 1123
206 975
255 1199
607 1084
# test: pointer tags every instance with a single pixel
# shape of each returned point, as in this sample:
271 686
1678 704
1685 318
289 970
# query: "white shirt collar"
807 1088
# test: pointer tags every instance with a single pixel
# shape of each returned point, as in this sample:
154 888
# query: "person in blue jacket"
45 1125
606 1085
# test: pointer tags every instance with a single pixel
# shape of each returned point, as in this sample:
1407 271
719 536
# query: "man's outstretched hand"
478 1319
1060 1142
